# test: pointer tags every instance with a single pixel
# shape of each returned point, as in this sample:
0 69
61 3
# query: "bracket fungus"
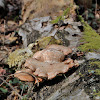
18 57
49 62
25 75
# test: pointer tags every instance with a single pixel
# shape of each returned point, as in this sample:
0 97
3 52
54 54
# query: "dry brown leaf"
2 71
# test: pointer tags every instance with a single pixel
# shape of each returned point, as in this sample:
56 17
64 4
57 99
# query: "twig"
95 7
30 89
65 76
3 81
22 90
1 84
4 32
12 88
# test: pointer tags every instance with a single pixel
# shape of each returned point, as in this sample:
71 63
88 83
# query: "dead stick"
4 33
96 7
22 90
6 79
12 88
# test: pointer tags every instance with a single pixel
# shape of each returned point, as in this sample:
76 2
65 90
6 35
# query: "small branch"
4 32
95 7
22 90
3 81
2 84
30 89
12 88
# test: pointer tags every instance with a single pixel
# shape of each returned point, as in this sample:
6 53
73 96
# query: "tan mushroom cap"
24 75
47 63
49 55
48 70
65 50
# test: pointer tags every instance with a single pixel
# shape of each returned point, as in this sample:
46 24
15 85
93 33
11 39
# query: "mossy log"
90 38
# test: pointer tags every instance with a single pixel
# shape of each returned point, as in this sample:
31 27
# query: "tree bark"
85 3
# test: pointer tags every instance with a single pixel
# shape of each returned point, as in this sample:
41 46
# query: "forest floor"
82 82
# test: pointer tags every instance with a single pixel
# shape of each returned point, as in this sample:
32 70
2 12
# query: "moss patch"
97 71
90 38
66 12
97 94
18 57
43 42
95 64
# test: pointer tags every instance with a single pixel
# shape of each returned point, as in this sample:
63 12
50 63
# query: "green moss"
95 63
90 38
81 75
18 57
43 42
57 20
97 94
97 71
66 12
